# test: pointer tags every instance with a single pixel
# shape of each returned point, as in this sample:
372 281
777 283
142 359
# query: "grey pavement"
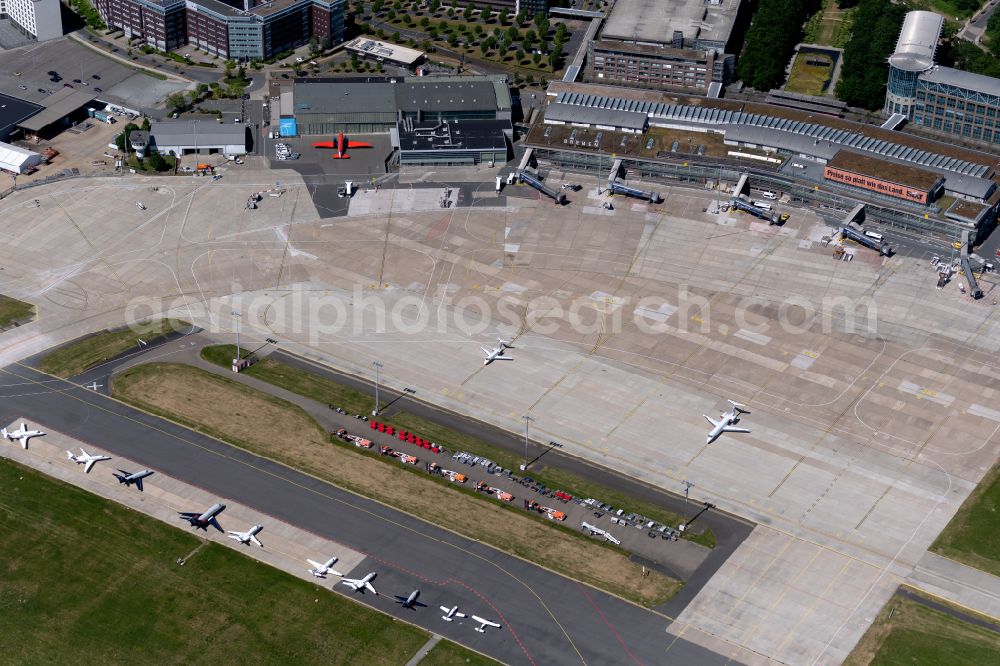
546 618
957 583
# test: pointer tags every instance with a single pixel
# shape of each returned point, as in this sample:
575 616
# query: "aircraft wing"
486 351
712 421
352 582
90 463
188 515
254 538
371 588
315 565
24 442
445 609
734 429
138 484
215 523
325 144
484 622
357 144
504 358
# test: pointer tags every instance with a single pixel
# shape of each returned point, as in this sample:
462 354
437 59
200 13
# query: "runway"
547 619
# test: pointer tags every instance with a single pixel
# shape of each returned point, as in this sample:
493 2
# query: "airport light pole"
238 316
527 420
376 365
687 488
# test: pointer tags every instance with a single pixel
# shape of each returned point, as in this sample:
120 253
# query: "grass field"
258 422
86 581
807 79
831 26
12 310
328 392
906 632
76 357
447 653
972 536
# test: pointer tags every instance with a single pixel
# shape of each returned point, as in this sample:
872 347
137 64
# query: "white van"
761 204
769 195
874 234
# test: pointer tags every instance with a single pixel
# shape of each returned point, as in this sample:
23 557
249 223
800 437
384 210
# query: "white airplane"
483 624
451 613
128 478
203 520
725 422
321 570
249 536
410 601
497 354
86 459
22 434
361 584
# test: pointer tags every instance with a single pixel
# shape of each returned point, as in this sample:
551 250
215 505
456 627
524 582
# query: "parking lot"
24 74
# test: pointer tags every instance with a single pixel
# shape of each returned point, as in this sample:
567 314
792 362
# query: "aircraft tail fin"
737 406
69 455
3 432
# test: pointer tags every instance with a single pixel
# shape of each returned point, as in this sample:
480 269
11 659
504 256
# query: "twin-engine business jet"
248 537
361 584
497 354
342 145
483 624
321 570
22 434
725 422
451 613
203 520
86 459
128 478
410 601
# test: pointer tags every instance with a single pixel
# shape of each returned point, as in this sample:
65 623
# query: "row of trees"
773 34
873 38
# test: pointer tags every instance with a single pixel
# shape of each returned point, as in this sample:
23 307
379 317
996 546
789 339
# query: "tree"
176 102
354 61
561 36
398 5
542 24
156 161
434 6
451 12
554 57
314 44
484 46
377 6
145 123
519 55
504 15
513 34
479 30
520 17
425 23
467 14
396 36
536 58
774 31
864 70
122 139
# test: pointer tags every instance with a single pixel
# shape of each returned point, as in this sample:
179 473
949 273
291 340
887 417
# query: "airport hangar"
63 108
862 171
431 120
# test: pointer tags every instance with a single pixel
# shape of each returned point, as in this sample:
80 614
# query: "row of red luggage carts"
405 436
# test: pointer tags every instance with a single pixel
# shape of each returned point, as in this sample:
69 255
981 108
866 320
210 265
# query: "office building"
39 19
676 45
939 100
232 30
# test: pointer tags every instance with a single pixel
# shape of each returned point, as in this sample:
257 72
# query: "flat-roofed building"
39 19
887 178
204 137
451 143
372 49
677 45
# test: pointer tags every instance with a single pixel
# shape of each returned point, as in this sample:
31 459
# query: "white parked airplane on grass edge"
22 434
497 354
725 422
86 458
321 570
451 613
249 536
361 584
483 624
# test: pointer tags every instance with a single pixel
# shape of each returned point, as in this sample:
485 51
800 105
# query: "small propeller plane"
342 145
483 623
86 459
451 613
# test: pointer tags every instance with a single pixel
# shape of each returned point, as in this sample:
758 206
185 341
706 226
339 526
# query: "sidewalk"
957 583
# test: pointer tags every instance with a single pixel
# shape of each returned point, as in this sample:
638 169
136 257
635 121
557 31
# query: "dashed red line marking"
618 636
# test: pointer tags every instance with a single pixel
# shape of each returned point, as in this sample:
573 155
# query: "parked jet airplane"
497 354
321 570
410 601
22 434
86 459
203 520
128 478
342 145
451 613
483 624
725 422
248 537
361 584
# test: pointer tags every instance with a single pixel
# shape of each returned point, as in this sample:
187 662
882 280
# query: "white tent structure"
18 160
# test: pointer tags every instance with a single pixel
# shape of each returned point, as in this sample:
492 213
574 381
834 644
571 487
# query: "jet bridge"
621 188
558 197
746 207
974 289
858 237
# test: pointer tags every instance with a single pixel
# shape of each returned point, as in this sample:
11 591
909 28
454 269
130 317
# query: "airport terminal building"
940 100
903 180
234 29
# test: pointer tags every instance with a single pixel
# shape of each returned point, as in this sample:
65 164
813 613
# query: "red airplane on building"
341 145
